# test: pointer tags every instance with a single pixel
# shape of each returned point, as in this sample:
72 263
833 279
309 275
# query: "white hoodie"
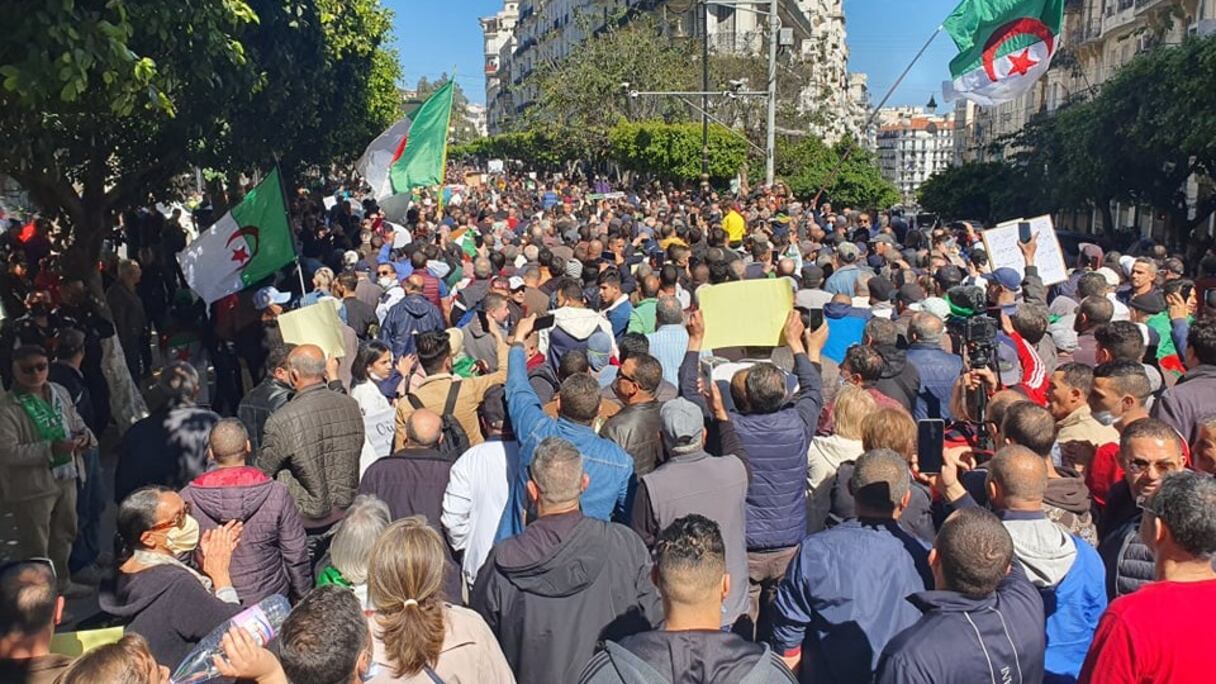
823 459
579 323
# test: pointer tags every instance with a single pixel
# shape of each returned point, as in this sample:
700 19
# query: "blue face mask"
373 669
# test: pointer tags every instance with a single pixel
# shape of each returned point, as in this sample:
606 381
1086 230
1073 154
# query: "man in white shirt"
478 486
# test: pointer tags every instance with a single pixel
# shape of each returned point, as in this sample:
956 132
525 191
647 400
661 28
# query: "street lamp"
931 107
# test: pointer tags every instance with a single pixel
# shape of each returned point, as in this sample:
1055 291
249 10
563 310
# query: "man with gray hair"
1161 632
669 339
938 368
575 579
471 294
130 320
844 595
169 447
692 480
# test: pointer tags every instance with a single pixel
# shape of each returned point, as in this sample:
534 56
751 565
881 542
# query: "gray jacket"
312 445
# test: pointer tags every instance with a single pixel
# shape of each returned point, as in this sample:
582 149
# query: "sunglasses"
176 521
35 368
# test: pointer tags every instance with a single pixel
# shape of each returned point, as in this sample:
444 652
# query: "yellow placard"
315 324
746 313
73 644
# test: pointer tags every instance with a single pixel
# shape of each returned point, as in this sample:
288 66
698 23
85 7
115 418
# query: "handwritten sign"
1001 243
747 313
378 428
315 324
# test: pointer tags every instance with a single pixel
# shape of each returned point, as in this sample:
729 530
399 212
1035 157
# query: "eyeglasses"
176 521
1139 466
36 368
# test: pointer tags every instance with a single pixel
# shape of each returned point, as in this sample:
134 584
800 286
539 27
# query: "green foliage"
103 103
539 148
990 192
464 130
673 151
806 165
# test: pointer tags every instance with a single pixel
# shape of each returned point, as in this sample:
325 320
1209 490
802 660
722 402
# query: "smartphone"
1186 292
484 319
543 322
816 319
657 259
608 256
1024 232
707 374
776 256
930 442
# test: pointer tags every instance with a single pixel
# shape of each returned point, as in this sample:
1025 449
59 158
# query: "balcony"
1145 5
1117 18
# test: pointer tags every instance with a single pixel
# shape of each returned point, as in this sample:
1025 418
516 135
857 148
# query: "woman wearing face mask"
371 374
160 596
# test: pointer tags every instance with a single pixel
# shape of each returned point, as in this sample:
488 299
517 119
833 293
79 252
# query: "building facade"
912 146
528 33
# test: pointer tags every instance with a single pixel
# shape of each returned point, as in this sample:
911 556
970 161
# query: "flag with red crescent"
1004 47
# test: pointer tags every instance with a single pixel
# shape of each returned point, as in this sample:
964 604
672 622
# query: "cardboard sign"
747 313
379 428
1001 243
315 324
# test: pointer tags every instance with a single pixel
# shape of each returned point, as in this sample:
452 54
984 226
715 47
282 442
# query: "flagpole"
287 208
874 114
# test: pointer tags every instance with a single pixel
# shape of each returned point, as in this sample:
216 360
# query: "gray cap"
847 252
682 423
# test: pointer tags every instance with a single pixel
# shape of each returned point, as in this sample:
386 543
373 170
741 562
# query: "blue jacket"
844 597
961 640
608 466
618 316
776 444
1073 609
846 327
843 281
411 316
938 369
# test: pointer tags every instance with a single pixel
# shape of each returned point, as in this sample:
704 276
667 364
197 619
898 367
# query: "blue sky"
883 35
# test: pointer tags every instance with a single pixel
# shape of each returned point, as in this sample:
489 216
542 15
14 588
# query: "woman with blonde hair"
826 454
894 429
418 637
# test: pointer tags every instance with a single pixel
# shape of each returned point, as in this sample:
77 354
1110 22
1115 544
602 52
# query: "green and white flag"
247 244
1004 46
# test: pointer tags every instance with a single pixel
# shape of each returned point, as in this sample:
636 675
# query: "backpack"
455 440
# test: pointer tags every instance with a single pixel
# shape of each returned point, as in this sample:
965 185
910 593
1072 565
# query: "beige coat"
25 471
1080 426
433 392
470 653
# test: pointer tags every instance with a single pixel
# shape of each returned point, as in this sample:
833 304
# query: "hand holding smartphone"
930 444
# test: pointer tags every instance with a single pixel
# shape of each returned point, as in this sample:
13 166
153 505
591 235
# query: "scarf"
149 559
50 425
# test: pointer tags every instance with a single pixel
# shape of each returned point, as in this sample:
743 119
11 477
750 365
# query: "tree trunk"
1108 218
82 256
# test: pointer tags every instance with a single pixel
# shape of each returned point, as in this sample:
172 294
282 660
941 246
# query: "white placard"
379 427
329 202
1001 243
494 166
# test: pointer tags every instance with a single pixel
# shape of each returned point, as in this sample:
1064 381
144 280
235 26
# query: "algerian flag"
380 155
249 243
1003 47
421 161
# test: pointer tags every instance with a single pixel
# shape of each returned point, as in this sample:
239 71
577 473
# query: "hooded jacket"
962 640
1069 575
846 327
824 459
272 557
1067 503
409 317
167 606
687 657
899 379
571 328
566 583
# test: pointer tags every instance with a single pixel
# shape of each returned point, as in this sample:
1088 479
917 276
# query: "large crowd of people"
529 466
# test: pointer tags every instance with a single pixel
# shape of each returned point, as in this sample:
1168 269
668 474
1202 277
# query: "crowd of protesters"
527 465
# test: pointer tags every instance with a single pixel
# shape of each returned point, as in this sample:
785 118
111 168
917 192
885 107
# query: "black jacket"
267 397
900 380
636 430
167 606
1129 562
167 448
555 591
412 482
692 657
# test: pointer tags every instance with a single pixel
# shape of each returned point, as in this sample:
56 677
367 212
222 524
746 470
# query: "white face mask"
387 282
1105 417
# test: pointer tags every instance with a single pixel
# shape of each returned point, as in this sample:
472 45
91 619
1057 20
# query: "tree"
102 105
806 164
464 131
990 192
673 151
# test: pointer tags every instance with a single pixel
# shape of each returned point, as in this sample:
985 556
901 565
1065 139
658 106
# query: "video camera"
975 332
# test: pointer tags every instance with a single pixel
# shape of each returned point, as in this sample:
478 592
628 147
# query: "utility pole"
770 146
705 97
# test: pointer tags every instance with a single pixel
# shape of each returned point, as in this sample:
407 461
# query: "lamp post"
931 106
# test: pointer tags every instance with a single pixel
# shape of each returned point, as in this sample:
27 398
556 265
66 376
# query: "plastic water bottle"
262 621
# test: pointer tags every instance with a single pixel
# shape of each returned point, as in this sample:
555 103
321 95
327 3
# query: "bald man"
273 556
1066 569
312 445
412 481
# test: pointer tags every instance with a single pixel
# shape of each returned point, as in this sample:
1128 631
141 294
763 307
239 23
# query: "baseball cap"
1150 303
493 408
681 422
599 350
812 275
948 275
515 283
847 252
937 306
910 293
1008 279
1112 278
884 238
266 296
361 266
